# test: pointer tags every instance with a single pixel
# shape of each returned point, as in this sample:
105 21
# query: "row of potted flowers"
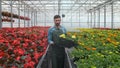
107 28
97 49
7 20
8 14
22 47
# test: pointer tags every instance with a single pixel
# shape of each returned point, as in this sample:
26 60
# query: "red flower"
27 40
19 51
14 67
25 45
16 42
44 48
24 42
21 32
33 45
18 58
28 58
29 65
10 48
40 54
34 35
36 56
1 41
44 40
1 54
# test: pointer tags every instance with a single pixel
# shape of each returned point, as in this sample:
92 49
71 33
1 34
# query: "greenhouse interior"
89 39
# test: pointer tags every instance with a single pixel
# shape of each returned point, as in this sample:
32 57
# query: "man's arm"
50 36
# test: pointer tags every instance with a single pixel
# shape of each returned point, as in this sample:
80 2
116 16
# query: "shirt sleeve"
50 36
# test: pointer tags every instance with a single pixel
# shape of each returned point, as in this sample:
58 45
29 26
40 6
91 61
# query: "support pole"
28 23
11 14
19 13
94 18
0 14
91 20
31 18
112 16
24 15
104 16
79 18
88 20
71 18
34 18
45 19
98 18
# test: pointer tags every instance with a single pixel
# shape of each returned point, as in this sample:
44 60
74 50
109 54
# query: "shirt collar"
57 28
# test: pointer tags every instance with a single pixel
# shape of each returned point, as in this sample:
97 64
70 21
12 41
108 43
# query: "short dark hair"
57 16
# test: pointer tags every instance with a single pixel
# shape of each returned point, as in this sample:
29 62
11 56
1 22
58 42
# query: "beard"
57 24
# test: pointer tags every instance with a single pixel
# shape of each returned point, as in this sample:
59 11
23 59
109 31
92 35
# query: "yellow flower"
73 36
62 36
115 43
68 33
108 39
110 52
79 43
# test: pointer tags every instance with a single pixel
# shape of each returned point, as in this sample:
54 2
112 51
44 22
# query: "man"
58 53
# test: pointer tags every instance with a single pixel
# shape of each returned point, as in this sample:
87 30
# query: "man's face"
57 21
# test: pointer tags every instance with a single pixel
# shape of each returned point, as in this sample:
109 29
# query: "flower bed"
22 47
97 49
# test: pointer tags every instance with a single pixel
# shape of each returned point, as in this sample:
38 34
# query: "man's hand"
52 43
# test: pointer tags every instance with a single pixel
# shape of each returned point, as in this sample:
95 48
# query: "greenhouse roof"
58 5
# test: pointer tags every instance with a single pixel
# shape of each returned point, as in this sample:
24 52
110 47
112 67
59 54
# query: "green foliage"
106 52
